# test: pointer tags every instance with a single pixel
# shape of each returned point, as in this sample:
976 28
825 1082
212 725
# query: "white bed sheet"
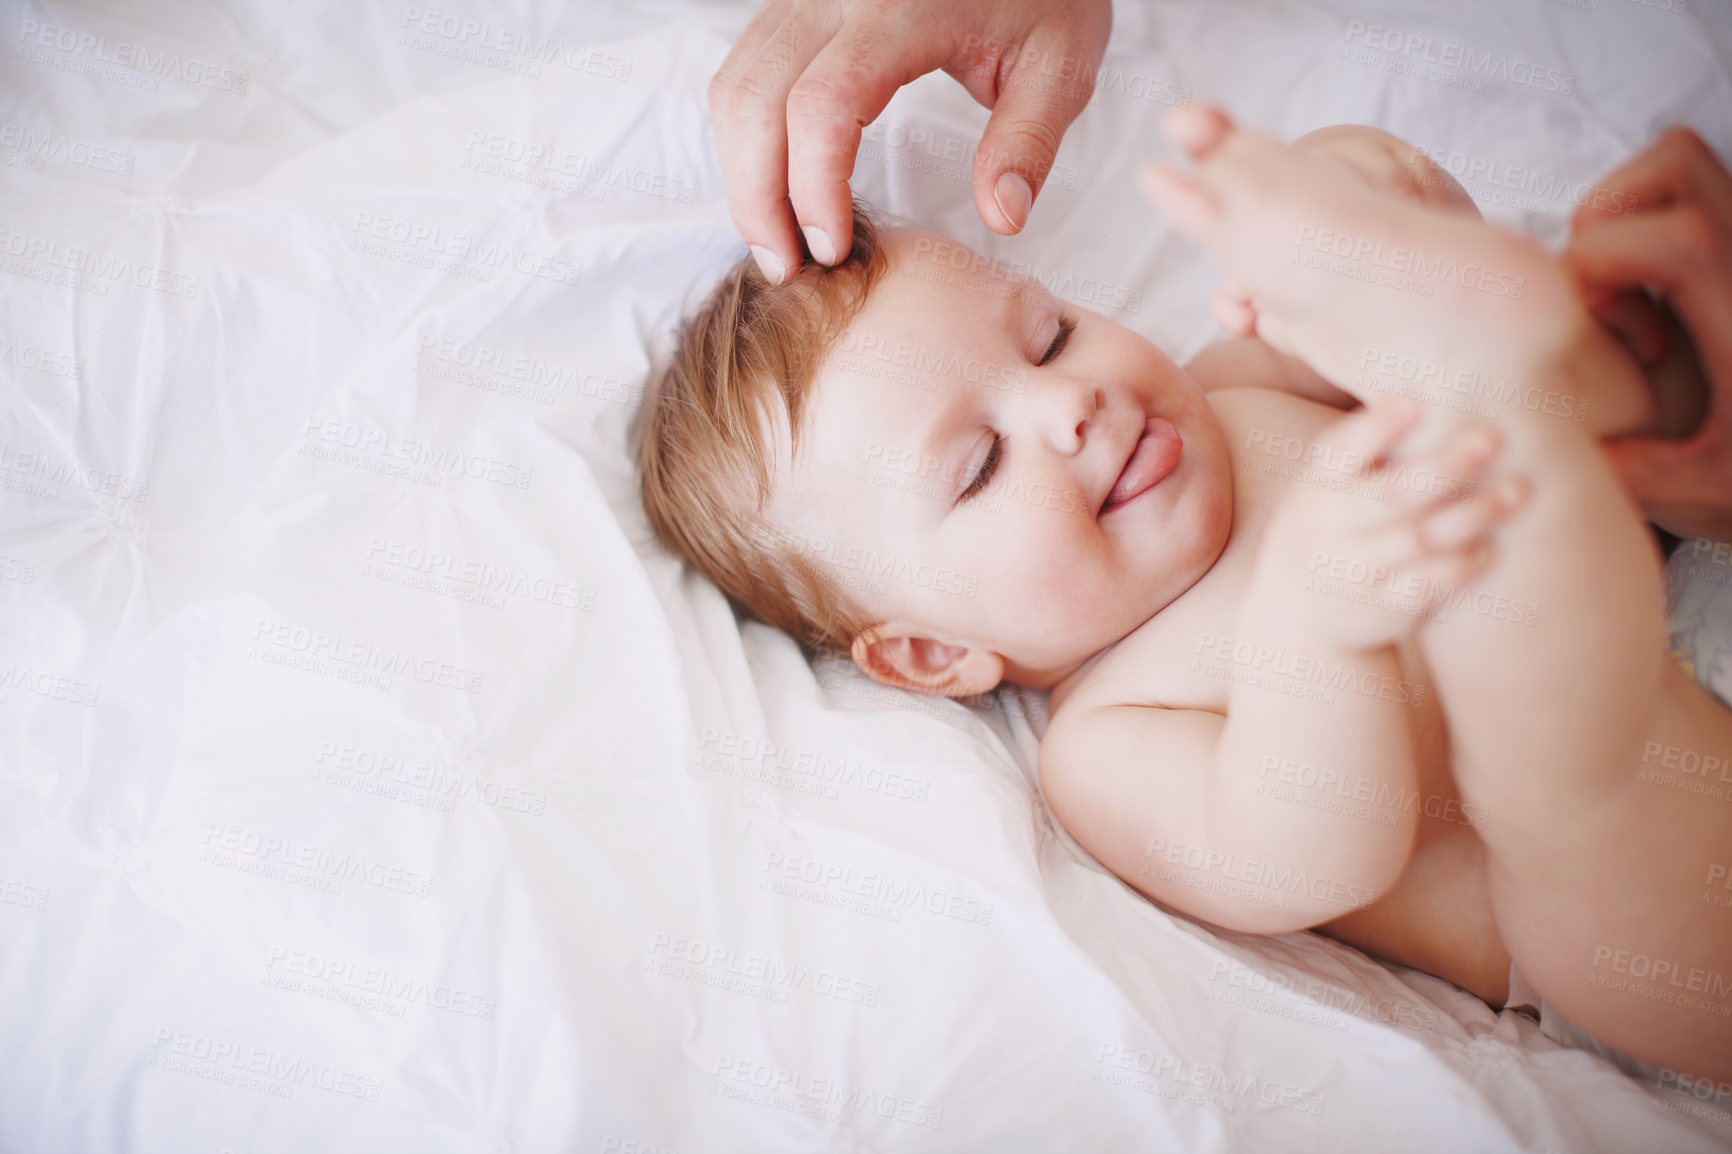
371 781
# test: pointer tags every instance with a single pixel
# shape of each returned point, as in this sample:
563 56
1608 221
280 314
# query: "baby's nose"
1069 409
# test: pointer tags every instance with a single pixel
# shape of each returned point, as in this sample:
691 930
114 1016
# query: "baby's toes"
1233 311
1198 129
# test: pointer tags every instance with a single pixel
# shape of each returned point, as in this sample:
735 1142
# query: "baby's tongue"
1156 455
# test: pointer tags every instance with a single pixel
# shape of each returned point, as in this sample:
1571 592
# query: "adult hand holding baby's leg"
1674 235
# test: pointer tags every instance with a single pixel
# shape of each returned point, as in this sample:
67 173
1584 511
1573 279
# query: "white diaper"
1566 1033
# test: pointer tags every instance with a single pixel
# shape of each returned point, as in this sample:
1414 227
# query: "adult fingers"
1042 87
749 105
1635 319
1680 252
1677 168
1679 484
846 86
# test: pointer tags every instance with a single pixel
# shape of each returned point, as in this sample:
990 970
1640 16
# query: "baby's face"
966 470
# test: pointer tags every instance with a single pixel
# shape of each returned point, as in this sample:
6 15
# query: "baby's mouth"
1155 455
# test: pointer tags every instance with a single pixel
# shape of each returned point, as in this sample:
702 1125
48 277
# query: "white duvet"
371 781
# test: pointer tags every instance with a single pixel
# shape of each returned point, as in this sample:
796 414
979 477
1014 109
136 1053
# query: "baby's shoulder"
1154 664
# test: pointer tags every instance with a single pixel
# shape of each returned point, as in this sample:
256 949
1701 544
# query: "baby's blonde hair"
748 357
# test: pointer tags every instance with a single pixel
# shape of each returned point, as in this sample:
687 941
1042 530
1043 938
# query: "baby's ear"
903 656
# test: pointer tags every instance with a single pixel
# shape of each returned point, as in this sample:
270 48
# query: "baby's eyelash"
1066 326
987 468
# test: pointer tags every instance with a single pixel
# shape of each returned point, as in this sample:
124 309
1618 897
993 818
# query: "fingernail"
817 240
769 264
1014 199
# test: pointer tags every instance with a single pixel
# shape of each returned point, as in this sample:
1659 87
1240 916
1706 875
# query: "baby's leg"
1550 668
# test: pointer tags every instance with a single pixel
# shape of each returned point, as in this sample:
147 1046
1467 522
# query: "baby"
1307 669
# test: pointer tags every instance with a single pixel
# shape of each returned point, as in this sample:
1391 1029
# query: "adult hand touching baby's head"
790 100
1664 226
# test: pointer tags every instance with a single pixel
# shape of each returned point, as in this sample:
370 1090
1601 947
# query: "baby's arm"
1296 807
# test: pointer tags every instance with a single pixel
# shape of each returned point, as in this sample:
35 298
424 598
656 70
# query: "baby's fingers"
1446 472
1459 524
1360 443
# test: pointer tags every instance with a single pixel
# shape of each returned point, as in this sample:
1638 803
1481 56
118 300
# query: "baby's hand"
1365 545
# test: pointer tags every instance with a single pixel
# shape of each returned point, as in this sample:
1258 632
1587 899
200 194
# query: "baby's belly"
1438 915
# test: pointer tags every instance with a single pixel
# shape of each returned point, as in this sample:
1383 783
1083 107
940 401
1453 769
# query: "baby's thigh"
1620 928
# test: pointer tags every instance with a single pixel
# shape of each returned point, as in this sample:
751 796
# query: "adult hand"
1665 224
789 102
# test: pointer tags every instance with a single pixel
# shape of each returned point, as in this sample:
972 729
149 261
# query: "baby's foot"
1337 271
